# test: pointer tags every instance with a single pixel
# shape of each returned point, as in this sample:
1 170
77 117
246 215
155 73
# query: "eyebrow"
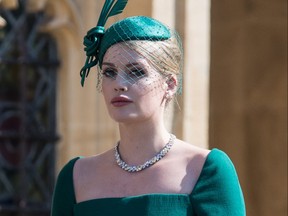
127 65
132 64
109 64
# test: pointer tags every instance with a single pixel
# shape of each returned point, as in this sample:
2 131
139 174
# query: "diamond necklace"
123 165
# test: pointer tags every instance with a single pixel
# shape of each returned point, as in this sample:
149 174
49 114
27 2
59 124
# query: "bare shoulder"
88 172
94 162
190 151
91 168
193 157
188 161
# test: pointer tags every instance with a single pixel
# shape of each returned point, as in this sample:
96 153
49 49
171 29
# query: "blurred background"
234 93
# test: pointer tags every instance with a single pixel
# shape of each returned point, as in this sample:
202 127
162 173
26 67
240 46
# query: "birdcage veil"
157 43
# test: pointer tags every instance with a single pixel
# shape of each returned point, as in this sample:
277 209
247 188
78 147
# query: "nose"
124 88
121 83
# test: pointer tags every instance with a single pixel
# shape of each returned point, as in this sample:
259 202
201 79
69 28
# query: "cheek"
151 96
153 87
106 91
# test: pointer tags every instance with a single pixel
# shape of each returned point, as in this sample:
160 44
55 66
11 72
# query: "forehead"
121 54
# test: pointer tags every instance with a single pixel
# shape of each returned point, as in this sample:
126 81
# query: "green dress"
217 192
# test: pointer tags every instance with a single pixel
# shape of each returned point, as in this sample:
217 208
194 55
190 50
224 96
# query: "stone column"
193 24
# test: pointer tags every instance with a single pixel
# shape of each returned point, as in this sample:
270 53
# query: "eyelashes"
137 73
109 73
131 74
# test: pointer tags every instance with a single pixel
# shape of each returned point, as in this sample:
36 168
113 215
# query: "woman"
150 171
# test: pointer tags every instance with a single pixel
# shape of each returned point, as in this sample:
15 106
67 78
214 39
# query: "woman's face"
133 90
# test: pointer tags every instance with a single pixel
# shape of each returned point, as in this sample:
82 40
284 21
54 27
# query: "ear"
172 83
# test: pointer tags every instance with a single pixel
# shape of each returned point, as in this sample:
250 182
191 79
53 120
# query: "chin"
128 118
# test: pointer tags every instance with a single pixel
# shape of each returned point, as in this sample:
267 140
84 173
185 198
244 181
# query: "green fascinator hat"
97 41
133 28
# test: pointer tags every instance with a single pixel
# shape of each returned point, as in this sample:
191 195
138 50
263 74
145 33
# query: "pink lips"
120 101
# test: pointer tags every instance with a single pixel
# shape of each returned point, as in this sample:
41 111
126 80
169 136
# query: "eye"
110 73
136 73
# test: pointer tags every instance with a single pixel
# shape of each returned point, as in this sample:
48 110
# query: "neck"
140 142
